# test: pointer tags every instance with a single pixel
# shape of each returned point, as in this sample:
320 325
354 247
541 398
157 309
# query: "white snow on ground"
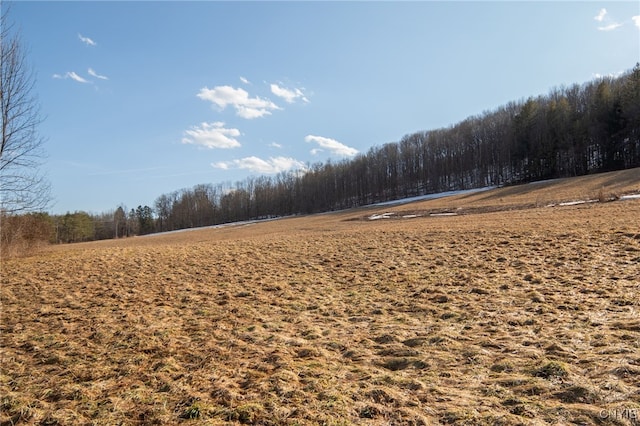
381 216
222 225
575 203
470 191
630 197
422 198
432 196
578 202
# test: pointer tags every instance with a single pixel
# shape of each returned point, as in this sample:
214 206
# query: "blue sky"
144 98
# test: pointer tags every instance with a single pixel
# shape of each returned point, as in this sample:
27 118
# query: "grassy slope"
516 316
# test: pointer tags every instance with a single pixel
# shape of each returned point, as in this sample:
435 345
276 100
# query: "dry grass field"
511 312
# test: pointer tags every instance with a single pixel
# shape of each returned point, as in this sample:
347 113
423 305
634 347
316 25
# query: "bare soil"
513 312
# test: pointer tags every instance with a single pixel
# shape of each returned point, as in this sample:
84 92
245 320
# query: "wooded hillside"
572 131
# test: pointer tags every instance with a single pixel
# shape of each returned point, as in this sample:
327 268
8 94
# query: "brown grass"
522 316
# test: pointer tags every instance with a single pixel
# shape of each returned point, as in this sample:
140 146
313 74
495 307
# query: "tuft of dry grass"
513 317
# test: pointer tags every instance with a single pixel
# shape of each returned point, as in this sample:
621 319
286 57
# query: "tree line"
21 232
572 131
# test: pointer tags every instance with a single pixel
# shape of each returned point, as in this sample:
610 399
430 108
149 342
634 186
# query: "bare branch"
22 187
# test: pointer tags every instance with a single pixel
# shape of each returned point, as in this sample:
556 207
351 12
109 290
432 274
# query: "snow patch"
381 216
630 197
434 196
577 202
219 226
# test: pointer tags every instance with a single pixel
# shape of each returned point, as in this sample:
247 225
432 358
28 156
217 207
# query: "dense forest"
572 131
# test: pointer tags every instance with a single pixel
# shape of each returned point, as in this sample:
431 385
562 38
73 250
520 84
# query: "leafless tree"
22 186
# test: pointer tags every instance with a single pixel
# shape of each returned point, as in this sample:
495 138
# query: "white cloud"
96 75
289 95
212 135
600 16
636 20
608 24
221 165
257 165
275 145
86 40
239 99
72 75
610 27
244 80
332 145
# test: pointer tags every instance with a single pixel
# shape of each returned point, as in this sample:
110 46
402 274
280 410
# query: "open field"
509 313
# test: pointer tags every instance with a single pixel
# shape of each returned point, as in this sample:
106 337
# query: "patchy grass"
525 316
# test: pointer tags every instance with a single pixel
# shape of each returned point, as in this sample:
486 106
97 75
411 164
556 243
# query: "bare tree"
22 186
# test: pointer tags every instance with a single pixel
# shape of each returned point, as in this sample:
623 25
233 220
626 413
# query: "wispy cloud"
86 40
608 23
600 16
245 106
289 95
332 145
212 135
244 80
96 75
257 165
275 145
73 76
610 27
636 20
